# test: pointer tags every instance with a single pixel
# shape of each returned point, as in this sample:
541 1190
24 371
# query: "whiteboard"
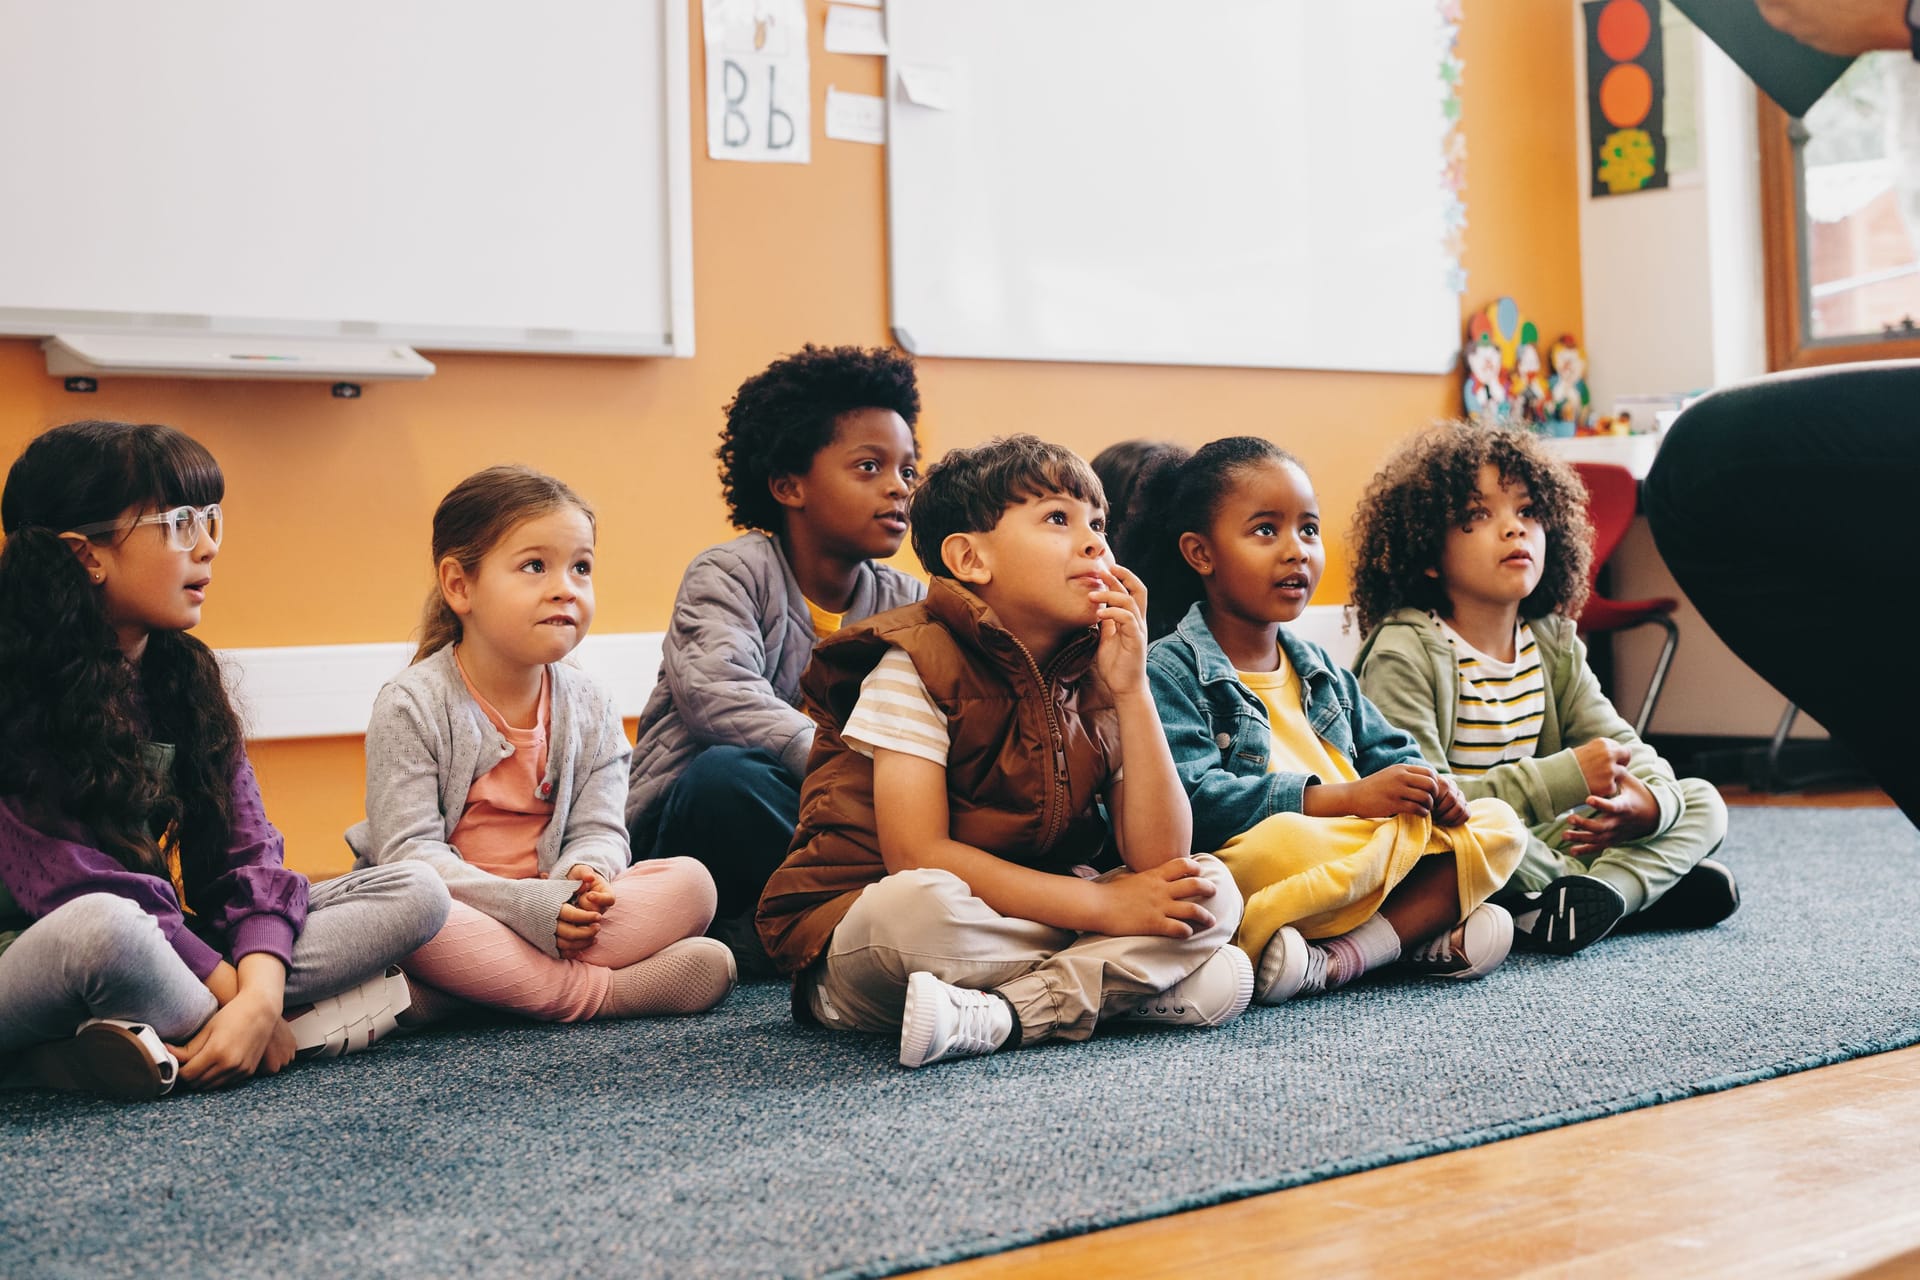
469 174
1227 182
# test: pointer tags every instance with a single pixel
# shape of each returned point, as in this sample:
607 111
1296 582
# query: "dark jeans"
1788 510
734 809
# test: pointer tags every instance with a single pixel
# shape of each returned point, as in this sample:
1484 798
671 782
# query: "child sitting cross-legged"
817 460
1352 851
1470 565
937 885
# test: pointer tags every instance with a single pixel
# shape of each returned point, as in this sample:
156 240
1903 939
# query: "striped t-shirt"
895 711
1501 706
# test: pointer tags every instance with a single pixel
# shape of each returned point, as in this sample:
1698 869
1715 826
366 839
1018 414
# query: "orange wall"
330 500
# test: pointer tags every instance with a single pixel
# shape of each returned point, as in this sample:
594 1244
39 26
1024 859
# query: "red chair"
1613 495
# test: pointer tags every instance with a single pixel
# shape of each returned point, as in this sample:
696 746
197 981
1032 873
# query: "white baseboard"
327 690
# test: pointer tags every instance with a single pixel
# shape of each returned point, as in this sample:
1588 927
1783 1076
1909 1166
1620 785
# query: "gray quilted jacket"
730 670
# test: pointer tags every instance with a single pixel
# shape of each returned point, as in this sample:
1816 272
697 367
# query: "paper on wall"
856 117
929 85
855 30
758 98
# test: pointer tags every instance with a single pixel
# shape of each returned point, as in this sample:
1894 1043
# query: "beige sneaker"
1212 995
1474 948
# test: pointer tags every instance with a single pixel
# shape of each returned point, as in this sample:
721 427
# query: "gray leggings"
100 956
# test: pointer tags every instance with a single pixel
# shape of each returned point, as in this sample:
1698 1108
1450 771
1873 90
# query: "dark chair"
1613 495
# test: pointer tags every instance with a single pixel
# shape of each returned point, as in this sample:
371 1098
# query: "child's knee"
908 910
689 885
105 935
1226 905
426 902
1705 807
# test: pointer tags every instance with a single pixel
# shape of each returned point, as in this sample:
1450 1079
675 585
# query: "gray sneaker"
1290 966
1215 993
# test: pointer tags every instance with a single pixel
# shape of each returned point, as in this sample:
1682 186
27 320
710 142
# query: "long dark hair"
1180 494
70 702
1120 468
475 515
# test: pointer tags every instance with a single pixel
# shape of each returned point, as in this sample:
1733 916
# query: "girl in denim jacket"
1332 825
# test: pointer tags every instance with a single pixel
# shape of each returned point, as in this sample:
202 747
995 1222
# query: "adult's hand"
1841 26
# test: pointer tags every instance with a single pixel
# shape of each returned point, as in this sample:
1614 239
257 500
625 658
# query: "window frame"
1784 247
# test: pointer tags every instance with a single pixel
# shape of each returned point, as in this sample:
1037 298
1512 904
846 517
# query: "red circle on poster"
1624 29
1626 95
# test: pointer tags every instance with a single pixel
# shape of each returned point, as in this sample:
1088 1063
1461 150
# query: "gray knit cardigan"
429 742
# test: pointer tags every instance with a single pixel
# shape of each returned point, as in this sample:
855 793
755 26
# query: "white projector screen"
506 175
1227 182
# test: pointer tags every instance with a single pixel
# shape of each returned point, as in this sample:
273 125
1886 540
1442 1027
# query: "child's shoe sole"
1574 912
107 1057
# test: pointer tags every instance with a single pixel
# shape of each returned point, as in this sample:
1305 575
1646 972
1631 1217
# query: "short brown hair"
470 520
970 489
1427 488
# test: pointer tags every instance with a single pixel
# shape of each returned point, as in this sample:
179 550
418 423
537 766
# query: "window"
1841 203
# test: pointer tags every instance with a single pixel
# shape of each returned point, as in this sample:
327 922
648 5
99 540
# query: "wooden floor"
1815 1174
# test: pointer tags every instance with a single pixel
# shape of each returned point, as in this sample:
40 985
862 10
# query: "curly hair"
788 412
1425 489
968 490
1180 493
72 708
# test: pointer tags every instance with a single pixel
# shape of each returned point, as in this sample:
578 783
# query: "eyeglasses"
183 525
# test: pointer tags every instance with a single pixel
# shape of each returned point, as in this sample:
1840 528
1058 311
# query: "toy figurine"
1483 392
1567 400
1527 384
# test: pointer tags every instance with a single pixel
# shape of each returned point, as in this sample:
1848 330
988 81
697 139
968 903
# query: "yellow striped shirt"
1501 705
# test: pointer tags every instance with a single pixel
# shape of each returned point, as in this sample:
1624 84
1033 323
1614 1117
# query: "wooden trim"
1788 346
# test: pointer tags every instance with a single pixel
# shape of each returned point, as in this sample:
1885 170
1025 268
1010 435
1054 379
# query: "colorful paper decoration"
1626 92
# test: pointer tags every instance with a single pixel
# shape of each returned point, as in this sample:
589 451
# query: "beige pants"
1058 982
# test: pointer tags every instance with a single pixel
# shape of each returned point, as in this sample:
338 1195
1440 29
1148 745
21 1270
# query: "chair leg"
1775 777
1660 668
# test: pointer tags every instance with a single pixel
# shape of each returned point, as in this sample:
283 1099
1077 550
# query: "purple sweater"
252 904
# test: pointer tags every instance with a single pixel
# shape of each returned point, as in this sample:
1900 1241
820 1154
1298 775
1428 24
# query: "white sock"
1360 950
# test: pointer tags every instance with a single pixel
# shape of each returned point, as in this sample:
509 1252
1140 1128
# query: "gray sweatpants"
1059 983
1641 872
100 956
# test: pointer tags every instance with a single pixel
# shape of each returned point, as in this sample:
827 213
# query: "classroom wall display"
1245 182
1626 92
452 174
759 95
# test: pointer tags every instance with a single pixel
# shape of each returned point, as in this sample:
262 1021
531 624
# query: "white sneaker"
942 1021
353 1020
1472 949
1290 967
1215 993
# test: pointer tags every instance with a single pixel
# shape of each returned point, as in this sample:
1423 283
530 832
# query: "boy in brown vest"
938 880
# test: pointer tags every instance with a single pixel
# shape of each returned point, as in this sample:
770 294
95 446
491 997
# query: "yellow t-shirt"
1296 747
824 623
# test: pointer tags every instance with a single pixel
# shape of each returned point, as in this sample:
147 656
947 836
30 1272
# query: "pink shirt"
501 825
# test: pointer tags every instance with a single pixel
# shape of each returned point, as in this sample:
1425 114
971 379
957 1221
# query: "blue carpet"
739 1144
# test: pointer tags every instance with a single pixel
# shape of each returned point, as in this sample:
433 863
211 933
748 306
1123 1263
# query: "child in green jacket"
1471 550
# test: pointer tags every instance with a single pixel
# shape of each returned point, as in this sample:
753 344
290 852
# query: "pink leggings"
479 959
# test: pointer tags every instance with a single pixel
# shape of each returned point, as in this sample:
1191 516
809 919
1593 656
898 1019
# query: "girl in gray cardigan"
504 768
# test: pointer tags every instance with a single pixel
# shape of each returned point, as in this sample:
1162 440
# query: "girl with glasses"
148 928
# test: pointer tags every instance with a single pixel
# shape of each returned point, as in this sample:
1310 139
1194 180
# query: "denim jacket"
1221 741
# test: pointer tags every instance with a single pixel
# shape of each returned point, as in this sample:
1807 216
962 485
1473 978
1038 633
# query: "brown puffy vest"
1028 755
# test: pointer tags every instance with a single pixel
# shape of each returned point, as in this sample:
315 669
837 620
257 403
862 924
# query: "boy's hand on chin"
1122 620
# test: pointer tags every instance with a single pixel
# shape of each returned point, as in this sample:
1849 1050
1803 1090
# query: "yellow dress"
1326 876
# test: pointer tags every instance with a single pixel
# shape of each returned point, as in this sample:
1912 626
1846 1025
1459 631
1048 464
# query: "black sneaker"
1701 899
1569 915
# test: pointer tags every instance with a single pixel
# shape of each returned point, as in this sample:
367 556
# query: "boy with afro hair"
816 461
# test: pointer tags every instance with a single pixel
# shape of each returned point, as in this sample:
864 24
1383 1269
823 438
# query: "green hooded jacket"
1409 671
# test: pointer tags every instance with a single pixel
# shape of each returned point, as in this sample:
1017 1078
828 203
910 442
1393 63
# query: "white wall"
1673 286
